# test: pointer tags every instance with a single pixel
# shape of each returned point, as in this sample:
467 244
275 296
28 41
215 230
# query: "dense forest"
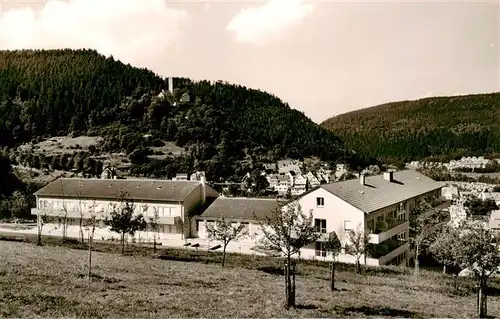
226 130
439 127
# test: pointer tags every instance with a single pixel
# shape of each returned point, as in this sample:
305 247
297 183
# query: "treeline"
16 196
225 129
449 127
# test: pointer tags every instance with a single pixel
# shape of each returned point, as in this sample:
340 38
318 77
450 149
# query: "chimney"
362 179
203 182
388 176
171 84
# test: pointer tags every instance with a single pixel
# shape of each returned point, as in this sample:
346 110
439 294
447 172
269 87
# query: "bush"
157 143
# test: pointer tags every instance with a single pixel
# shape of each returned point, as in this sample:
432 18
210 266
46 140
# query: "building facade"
75 200
378 205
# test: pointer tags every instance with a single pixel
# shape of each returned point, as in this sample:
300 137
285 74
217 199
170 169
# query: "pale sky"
322 57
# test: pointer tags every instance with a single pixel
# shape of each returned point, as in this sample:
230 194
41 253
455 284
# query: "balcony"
382 233
387 250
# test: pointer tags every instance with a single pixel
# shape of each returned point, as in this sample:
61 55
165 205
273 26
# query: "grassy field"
50 281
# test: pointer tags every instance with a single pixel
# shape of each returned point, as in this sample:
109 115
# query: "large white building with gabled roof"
378 205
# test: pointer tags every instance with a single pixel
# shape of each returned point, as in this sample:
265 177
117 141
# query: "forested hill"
441 126
80 92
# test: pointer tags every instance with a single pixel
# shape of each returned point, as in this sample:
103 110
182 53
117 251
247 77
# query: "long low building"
76 199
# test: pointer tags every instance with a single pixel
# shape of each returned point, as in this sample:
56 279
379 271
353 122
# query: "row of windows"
166 229
147 210
320 225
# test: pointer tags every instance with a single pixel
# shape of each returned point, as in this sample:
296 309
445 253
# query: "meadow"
51 281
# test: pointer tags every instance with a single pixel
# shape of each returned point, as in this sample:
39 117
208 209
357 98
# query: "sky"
323 58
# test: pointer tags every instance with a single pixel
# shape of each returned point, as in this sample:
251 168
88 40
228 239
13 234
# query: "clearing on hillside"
63 144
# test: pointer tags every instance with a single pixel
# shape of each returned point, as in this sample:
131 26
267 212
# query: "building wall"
106 206
338 214
78 208
192 201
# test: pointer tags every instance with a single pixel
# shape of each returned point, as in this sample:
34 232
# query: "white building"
285 183
299 183
241 209
378 204
467 162
313 180
273 180
77 199
181 177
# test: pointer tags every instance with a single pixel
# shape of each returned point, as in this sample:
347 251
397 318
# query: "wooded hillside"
445 127
80 92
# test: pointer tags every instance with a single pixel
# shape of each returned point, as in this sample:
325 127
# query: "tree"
475 248
225 231
81 219
425 224
286 230
477 207
41 221
442 247
333 246
155 227
19 204
90 225
357 244
122 220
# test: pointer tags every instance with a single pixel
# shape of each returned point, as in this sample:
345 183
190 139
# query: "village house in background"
471 163
293 177
460 192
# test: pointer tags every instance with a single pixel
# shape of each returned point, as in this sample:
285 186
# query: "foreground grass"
50 281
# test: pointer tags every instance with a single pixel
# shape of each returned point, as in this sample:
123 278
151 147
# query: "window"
320 201
401 215
166 212
320 249
169 229
320 225
401 237
347 224
43 204
197 225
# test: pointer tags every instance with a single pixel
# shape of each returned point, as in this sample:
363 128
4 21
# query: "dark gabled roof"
378 193
241 207
137 189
